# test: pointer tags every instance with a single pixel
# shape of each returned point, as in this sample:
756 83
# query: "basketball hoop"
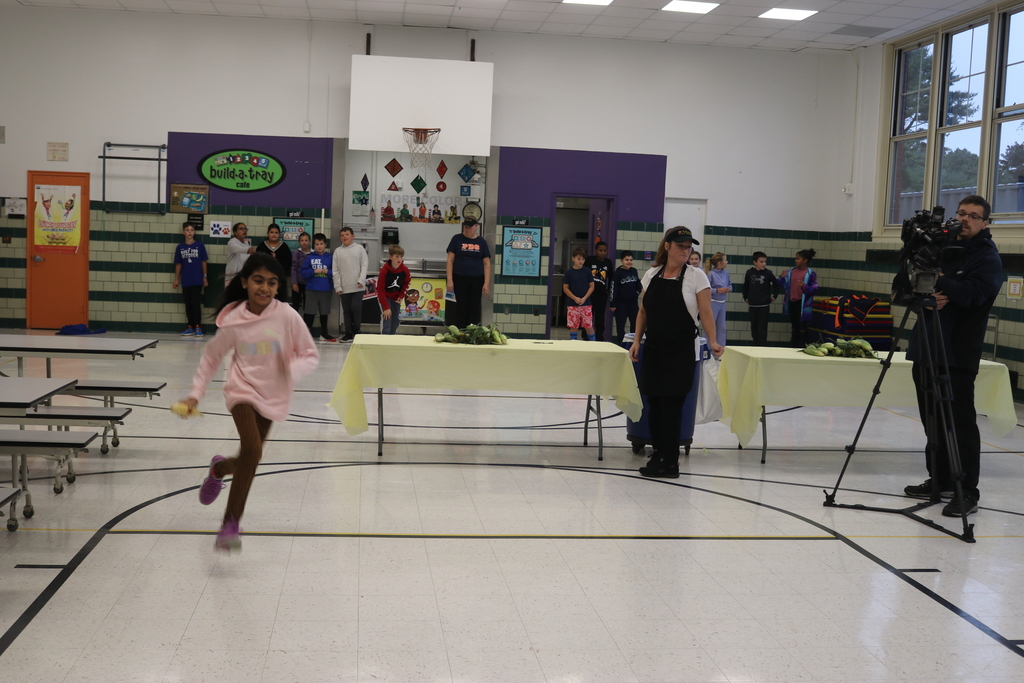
421 143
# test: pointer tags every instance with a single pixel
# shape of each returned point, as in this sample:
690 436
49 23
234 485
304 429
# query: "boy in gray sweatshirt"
350 264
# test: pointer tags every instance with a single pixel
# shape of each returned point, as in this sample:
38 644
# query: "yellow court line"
984 443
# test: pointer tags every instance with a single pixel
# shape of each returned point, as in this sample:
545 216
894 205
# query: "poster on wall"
57 222
360 203
424 301
291 228
185 198
220 228
520 256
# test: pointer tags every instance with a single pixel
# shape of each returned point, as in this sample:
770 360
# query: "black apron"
669 356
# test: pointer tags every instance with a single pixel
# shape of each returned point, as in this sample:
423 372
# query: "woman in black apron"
666 375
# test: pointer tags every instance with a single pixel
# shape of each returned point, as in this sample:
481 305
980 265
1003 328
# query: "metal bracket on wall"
159 158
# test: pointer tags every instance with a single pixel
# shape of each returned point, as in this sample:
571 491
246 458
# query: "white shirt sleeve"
336 270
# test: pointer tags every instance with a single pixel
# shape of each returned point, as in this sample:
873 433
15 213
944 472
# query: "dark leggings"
665 420
193 304
799 331
253 429
623 313
468 291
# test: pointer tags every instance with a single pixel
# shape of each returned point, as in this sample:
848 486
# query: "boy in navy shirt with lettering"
317 271
190 272
624 296
578 285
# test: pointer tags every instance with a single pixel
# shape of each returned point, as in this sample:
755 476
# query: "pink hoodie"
271 351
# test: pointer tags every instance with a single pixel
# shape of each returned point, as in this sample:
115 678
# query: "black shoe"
924 490
660 469
953 508
346 339
328 338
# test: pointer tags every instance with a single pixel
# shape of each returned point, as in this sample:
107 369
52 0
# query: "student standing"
271 350
600 267
275 247
760 288
190 272
392 283
799 286
578 286
350 264
239 248
316 270
469 273
624 296
721 285
299 282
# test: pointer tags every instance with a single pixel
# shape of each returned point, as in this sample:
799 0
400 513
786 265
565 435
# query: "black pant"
665 420
468 296
799 327
598 305
624 312
299 299
193 304
282 291
965 423
759 324
352 311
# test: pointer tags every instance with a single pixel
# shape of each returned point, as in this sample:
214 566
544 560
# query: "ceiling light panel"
691 7
788 14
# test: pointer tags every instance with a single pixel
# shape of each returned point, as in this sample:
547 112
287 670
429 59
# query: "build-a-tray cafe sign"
242 170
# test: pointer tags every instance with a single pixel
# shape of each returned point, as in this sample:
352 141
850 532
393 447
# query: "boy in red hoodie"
392 283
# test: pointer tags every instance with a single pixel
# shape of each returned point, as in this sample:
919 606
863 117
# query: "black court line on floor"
471 537
40 566
12 633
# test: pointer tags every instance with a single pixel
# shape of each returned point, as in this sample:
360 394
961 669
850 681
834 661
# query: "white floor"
478 549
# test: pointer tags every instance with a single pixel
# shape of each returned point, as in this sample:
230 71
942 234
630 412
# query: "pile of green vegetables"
473 334
854 348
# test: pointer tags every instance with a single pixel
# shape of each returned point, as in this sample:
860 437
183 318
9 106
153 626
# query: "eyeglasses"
973 216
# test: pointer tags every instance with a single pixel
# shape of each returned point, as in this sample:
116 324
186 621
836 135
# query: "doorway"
579 221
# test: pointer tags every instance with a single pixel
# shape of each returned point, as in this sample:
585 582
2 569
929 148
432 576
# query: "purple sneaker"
230 537
212 485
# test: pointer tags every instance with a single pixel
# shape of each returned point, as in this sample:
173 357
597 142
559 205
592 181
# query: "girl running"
272 349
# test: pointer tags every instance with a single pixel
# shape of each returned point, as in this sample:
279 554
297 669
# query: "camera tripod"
938 417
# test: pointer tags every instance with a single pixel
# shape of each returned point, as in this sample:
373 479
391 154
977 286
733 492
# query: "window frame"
997 19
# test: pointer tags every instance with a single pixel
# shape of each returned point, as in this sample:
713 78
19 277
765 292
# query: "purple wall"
308 162
529 179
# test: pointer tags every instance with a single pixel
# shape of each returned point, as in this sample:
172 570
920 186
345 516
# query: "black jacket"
759 287
972 287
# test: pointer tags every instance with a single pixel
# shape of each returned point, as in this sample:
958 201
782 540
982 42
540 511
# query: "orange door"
57 261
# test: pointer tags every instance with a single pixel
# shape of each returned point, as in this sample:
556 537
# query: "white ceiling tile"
99 4
472 23
228 9
778 44
148 5
555 18
285 3
251 3
752 31
379 17
431 10
482 4
796 34
838 17
191 6
845 40
708 29
736 11
562 29
52 3
855 7
589 10
646 34
721 20
827 46
525 16
476 13
448 3
348 5
379 6
286 12
617 21
901 12
737 41
512 25
692 38
333 14
530 6
607 31
628 12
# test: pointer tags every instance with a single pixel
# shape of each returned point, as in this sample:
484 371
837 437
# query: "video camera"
927 247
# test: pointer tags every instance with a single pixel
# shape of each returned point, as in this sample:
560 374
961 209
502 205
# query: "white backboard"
391 93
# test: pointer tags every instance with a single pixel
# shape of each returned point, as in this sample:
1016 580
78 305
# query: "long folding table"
22 346
752 377
591 369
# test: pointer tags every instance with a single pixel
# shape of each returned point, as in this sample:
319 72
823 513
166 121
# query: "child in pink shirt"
271 350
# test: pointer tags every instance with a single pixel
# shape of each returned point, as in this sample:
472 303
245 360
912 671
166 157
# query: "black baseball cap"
680 234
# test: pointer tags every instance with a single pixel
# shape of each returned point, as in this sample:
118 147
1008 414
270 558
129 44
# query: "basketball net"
421 144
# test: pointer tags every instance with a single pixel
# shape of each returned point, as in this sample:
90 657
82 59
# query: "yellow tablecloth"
751 377
549 367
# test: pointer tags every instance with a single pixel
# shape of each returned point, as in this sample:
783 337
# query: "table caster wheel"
28 511
115 442
12 524
104 449
71 477
687 447
638 447
58 488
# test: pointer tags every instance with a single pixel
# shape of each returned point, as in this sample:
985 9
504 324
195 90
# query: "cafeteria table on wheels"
752 377
22 346
17 396
591 369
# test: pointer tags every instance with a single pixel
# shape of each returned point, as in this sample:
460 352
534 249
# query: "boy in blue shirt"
317 272
624 296
578 285
190 272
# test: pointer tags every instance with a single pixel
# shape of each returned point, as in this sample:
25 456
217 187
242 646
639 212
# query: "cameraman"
963 298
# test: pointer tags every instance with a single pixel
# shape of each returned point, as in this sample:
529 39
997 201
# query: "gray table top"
51 345
18 394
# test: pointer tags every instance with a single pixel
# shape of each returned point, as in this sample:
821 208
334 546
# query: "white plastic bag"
709 405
